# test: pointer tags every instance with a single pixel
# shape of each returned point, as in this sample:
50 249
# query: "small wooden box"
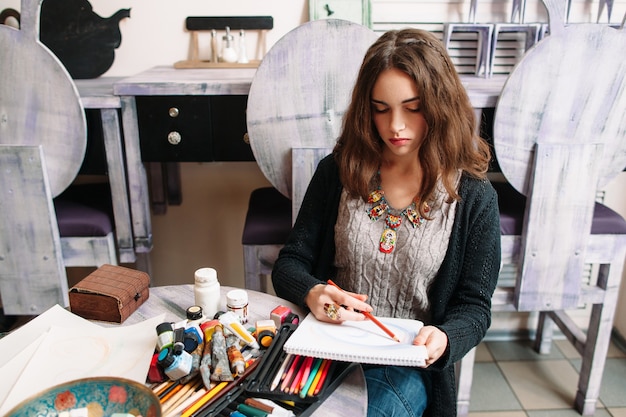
110 293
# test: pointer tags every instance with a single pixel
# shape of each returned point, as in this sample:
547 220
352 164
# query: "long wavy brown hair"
451 142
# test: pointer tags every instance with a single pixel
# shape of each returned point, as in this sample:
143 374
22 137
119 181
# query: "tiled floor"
512 380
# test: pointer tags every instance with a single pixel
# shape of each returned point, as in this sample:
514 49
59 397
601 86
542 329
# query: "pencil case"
258 383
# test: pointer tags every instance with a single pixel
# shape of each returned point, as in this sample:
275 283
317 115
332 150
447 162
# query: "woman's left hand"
435 341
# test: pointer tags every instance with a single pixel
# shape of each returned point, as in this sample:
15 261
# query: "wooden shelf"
189 64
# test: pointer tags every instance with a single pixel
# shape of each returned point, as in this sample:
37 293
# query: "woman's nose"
397 123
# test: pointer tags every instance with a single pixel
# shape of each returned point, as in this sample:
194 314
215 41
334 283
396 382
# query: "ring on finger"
332 311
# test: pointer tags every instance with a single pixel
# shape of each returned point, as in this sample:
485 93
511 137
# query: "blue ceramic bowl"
100 396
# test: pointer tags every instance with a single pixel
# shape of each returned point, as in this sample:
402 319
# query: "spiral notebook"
358 341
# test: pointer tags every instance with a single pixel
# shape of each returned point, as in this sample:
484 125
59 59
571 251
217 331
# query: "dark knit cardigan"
460 296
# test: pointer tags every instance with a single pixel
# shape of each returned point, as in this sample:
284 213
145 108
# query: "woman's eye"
413 109
380 109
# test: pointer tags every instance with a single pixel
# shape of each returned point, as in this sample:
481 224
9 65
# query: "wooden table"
349 399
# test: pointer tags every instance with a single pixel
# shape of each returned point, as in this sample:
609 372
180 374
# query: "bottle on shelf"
229 54
243 53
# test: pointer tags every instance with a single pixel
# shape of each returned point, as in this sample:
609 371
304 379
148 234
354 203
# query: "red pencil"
307 371
295 385
371 317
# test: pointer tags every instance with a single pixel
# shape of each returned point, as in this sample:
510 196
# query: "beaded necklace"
381 208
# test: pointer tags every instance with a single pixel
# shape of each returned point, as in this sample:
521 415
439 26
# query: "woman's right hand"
324 299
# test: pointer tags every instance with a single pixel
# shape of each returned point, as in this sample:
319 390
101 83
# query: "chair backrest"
31 266
557 224
300 92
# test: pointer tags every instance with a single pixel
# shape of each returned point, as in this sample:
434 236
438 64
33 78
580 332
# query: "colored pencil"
295 384
290 373
318 376
181 396
165 390
308 367
195 396
171 393
320 384
203 400
157 388
281 371
371 317
314 371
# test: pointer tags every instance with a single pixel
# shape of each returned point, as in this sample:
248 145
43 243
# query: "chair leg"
464 376
252 266
597 341
258 261
545 331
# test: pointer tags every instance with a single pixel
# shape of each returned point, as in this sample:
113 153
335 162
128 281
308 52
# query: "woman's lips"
399 141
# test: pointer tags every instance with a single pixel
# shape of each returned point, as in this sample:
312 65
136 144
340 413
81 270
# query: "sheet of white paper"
18 339
11 370
67 353
19 346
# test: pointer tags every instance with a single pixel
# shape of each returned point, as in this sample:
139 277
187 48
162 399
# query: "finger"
337 314
348 299
333 311
360 297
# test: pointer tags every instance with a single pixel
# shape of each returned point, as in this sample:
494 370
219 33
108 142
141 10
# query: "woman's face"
397 114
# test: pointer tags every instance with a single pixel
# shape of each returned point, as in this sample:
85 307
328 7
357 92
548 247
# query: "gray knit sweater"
460 296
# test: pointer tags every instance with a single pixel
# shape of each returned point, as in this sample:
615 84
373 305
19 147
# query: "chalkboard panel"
233 22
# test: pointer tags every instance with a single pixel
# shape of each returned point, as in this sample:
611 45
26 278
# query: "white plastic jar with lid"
237 302
207 291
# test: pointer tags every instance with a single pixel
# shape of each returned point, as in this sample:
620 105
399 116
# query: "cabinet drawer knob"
174 138
173 112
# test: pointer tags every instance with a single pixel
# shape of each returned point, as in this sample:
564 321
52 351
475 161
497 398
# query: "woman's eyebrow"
408 100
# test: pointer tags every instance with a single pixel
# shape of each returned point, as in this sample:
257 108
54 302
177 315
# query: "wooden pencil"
371 317
187 390
195 396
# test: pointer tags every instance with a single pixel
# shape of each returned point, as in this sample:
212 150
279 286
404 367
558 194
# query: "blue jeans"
394 391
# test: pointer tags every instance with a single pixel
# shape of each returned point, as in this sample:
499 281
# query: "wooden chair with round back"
296 100
559 138
42 146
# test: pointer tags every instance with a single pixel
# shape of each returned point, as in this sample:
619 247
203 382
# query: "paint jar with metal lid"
165 336
237 302
175 366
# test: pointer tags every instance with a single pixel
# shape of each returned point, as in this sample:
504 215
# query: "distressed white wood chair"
559 138
43 139
297 99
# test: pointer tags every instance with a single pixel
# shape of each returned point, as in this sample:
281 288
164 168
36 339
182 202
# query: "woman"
402 216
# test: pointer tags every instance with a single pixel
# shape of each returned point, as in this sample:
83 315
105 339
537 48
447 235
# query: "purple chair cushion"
84 210
268 220
512 205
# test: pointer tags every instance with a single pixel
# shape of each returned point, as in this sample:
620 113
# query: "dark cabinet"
193 128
